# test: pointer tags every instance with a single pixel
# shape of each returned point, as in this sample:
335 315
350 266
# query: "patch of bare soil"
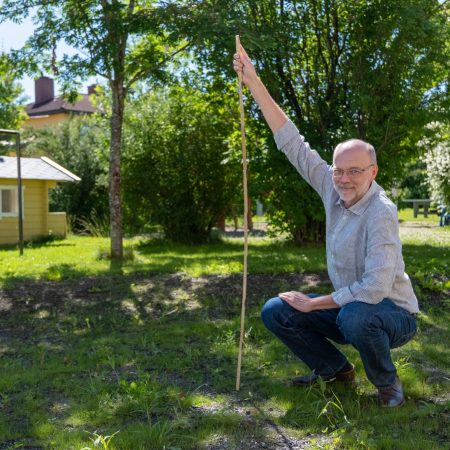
260 431
151 292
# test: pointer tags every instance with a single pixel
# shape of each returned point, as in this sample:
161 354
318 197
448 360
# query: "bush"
414 184
176 170
437 160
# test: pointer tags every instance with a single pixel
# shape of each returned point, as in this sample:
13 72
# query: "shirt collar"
360 206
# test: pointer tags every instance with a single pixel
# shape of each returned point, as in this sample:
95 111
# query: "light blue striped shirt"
364 252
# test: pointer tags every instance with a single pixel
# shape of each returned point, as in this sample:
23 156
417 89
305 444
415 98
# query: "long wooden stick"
244 172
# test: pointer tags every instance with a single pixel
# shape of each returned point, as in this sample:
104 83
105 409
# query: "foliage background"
179 166
373 70
11 99
80 145
437 159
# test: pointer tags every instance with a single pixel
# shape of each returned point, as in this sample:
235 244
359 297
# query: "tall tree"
11 111
376 70
121 41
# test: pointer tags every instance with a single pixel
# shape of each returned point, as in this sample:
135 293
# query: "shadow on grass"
422 252
77 347
39 243
154 356
58 272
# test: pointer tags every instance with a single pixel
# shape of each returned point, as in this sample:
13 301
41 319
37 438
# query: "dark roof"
59 105
35 169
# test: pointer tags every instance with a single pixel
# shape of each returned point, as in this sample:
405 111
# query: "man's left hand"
297 300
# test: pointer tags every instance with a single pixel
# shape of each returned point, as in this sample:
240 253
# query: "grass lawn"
143 356
407 215
77 257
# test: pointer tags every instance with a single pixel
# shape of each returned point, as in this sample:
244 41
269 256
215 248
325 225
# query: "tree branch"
145 72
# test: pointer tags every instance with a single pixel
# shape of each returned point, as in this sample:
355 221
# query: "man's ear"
374 171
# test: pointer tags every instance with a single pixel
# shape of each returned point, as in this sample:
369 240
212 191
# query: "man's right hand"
243 66
273 114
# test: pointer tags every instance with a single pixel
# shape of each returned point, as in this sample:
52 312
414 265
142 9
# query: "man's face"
351 188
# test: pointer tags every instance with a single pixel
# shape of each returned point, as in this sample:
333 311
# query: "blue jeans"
372 329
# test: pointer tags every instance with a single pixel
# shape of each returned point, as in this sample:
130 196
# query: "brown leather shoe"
347 377
391 396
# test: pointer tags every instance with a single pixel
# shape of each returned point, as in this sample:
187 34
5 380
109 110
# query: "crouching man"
373 305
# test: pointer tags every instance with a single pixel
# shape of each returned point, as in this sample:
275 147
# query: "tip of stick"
238 42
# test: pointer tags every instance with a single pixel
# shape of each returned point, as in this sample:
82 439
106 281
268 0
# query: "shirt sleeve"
307 162
380 264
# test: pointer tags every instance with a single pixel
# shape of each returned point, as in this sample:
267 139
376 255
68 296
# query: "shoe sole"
342 377
330 380
392 406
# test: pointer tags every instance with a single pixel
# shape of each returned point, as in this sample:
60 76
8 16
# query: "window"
9 205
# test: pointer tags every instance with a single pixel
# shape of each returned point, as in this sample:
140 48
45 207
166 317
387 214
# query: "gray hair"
358 142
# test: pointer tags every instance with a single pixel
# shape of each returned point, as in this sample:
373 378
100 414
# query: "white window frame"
9 187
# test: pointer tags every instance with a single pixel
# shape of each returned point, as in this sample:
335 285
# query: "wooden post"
244 172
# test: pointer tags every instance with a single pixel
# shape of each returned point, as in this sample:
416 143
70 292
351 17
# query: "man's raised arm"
274 115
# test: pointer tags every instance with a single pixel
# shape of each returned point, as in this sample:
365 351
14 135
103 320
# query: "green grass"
79 256
407 215
427 255
144 356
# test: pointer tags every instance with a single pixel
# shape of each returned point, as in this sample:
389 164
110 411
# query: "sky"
13 36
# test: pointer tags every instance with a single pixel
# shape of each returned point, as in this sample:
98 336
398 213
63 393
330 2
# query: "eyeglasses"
354 172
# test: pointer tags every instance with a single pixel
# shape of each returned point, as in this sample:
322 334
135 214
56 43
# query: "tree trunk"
221 222
115 200
249 215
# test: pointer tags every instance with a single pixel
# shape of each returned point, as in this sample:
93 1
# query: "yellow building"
38 176
49 110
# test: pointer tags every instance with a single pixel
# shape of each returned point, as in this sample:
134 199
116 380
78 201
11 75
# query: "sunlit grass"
407 215
79 256
55 259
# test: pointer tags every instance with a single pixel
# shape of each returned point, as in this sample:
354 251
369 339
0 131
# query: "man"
373 305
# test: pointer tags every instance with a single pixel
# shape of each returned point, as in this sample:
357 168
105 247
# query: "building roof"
59 105
42 168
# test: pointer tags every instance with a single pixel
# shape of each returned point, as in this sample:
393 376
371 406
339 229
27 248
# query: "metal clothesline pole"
19 185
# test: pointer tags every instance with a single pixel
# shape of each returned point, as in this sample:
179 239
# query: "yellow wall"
37 221
57 224
42 121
